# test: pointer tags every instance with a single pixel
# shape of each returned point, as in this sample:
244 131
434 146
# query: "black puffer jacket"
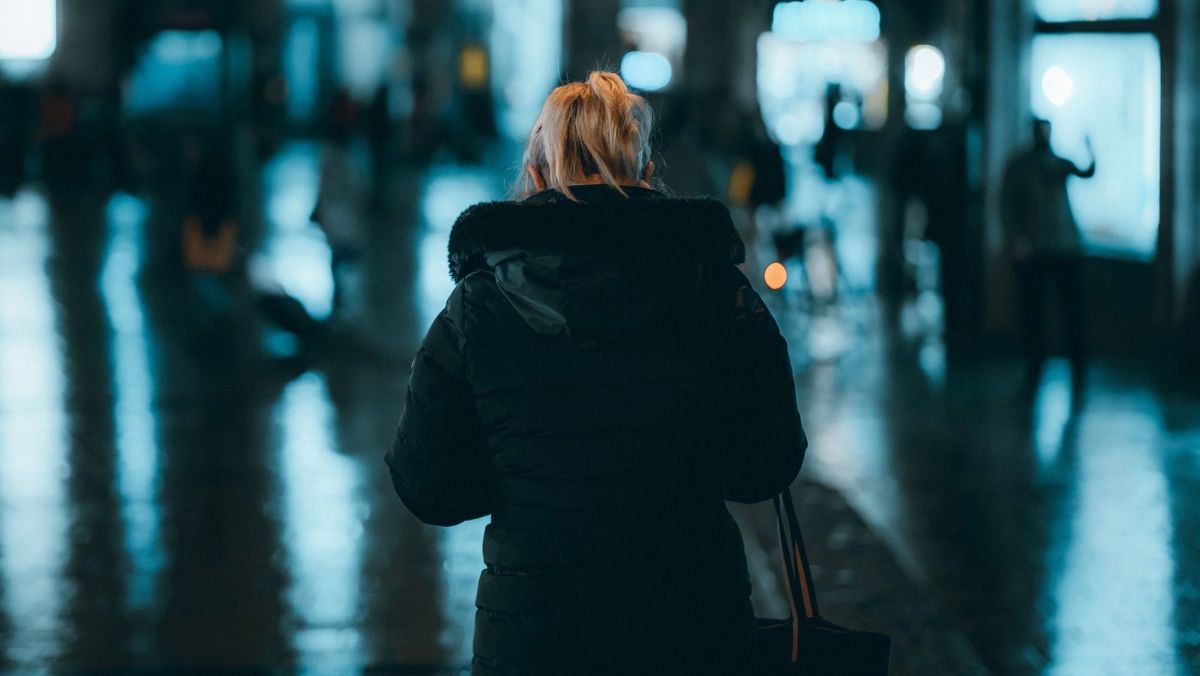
601 381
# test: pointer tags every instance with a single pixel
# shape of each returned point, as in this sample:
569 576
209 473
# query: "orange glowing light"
775 276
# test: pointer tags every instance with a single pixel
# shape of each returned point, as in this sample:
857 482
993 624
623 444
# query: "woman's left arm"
440 464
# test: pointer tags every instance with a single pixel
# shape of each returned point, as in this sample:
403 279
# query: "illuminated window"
28 29
1106 88
1094 10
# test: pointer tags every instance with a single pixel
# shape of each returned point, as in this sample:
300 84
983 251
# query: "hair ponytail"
590 130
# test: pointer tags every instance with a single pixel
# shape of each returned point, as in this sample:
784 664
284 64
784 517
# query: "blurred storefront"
1123 74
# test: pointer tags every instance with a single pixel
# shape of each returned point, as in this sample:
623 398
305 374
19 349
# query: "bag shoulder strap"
798 573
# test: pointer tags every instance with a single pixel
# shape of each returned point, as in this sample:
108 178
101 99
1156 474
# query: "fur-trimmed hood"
646 222
607 268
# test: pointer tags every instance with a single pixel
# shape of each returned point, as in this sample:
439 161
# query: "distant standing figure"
601 381
1046 248
210 227
339 215
759 180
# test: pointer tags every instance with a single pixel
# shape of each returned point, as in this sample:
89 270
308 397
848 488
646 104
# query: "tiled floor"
169 498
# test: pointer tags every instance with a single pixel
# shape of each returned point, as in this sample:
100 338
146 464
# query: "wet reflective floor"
180 489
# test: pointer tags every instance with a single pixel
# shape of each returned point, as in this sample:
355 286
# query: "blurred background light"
923 115
525 63
28 29
1094 10
646 70
846 20
794 78
363 45
924 81
1057 85
924 71
775 276
473 66
846 115
656 35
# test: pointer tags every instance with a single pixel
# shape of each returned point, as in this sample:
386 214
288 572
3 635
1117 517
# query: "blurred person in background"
210 228
758 181
338 213
1046 248
601 381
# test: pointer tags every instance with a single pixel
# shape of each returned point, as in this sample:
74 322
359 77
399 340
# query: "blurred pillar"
721 63
86 57
431 59
265 21
1187 190
1187 159
1166 263
1007 129
429 40
592 41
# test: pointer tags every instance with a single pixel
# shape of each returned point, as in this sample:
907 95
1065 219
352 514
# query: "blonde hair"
587 130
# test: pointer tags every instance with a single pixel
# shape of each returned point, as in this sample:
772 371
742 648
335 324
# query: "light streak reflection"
138 461
323 515
1114 599
34 520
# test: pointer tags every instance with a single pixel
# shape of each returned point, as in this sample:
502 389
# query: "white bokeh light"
646 70
28 29
1057 85
925 71
846 115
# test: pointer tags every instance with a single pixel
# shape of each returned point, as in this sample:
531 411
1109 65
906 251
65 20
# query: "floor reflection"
1114 600
138 465
322 514
34 517
1052 412
462 560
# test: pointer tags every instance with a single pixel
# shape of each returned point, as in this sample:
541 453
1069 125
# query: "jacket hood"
603 269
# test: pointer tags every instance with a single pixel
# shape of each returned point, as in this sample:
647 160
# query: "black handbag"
806 644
